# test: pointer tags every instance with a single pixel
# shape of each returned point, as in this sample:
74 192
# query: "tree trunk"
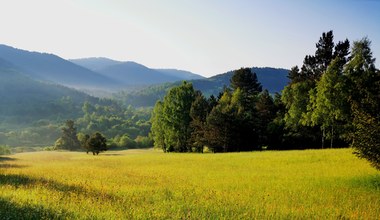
332 136
323 137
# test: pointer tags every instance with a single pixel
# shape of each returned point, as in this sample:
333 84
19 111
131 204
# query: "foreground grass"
146 184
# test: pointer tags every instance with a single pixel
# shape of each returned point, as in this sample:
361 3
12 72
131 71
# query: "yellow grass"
148 184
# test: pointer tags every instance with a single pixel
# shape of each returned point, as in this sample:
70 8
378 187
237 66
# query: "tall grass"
146 184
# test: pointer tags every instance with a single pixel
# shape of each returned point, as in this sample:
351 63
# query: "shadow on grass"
369 182
113 154
23 180
18 181
2 159
4 164
11 210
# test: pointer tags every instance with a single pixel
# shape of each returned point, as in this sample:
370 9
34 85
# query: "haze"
205 37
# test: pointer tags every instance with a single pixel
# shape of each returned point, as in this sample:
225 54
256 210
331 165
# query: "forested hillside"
24 100
274 80
32 113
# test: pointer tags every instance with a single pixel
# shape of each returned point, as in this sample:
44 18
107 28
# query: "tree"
222 125
198 112
157 131
68 139
173 120
96 143
246 81
303 94
266 114
363 82
329 106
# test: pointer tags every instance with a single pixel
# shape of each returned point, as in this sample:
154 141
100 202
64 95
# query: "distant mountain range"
131 73
90 74
41 78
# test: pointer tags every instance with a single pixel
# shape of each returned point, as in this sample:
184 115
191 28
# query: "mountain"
24 100
274 80
95 63
132 73
51 68
184 75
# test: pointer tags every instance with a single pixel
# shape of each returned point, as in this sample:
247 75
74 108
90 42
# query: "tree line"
237 120
331 101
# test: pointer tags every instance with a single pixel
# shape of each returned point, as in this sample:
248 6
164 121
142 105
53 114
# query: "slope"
274 80
24 100
132 73
51 68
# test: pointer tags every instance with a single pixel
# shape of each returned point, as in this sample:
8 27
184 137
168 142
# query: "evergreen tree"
266 114
69 139
246 81
198 113
363 82
222 125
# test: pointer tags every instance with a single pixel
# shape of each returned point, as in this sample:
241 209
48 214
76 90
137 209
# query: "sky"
207 37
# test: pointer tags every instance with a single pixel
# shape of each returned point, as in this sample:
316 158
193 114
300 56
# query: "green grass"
147 184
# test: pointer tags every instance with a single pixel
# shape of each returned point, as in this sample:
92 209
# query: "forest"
331 101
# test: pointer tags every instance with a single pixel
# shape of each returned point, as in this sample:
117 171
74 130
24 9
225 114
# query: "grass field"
147 184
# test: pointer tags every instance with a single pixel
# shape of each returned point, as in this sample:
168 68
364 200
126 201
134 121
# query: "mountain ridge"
52 68
133 73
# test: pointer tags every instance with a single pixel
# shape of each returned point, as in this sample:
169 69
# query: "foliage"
96 143
5 150
68 139
246 81
363 82
147 184
112 119
187 122
315 97
367 138
171 120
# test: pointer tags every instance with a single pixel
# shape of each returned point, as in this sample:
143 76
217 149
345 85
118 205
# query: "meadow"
148 184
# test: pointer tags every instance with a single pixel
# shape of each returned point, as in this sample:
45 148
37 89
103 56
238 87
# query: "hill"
184 75
274 80
51 68
133 74
24 100
95 63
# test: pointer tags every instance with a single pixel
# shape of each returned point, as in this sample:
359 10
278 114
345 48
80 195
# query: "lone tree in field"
96 143
69 139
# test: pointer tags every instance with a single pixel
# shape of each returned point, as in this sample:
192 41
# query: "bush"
367 138
5 150
143 142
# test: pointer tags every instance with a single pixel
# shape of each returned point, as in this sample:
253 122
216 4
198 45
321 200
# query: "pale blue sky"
203 36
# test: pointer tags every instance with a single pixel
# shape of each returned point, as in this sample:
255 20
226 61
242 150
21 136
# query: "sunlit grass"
147 184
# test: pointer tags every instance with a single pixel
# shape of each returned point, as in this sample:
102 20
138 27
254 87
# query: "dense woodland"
331 101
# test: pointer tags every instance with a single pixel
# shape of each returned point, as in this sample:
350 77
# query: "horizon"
203 37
